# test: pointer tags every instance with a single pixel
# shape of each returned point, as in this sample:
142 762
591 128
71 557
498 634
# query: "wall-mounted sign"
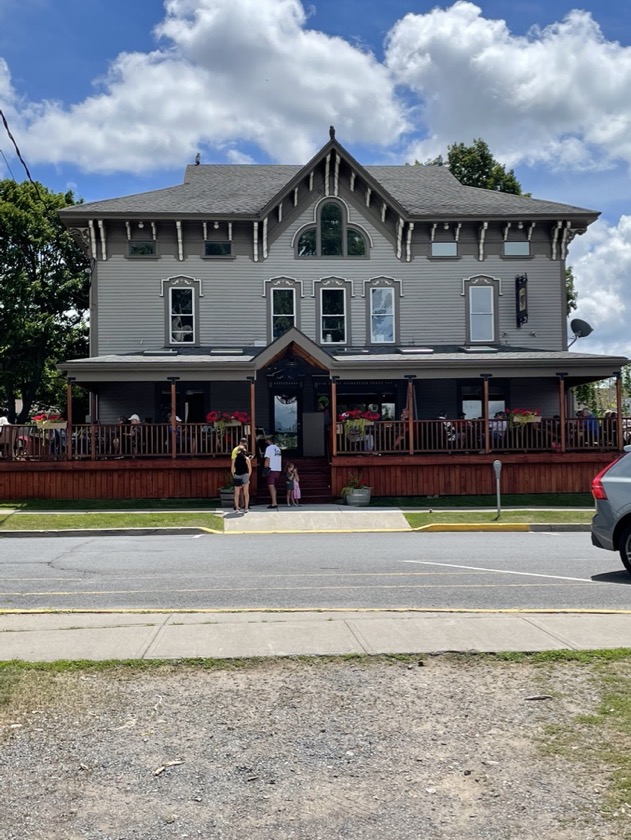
521 300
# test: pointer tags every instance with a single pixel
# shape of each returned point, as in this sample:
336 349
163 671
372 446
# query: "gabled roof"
249 190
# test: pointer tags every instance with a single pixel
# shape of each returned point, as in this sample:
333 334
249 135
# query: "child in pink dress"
297 495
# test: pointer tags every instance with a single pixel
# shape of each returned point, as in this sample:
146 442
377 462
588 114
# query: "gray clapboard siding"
234 310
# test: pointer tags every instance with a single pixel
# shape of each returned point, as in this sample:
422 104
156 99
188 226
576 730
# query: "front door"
286 414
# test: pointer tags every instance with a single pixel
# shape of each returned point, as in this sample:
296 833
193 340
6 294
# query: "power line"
6 163
20 158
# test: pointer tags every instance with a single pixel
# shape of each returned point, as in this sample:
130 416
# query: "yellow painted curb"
475 526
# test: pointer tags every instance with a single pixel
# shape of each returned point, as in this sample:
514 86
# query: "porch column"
619 424
485 411
410 405
334 415
69 382
173 380
562 412
252 381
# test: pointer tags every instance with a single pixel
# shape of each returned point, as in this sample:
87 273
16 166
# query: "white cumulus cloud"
601 263
223 71
558 96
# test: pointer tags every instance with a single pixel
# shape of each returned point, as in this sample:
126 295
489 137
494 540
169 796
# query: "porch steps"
315 480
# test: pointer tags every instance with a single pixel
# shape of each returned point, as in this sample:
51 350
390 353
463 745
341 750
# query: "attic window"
444 249
144 248
217 249
332 236
517 249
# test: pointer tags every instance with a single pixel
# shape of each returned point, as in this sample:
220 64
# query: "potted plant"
355 491
226 491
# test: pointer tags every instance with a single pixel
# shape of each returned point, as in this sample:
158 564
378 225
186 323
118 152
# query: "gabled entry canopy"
300 345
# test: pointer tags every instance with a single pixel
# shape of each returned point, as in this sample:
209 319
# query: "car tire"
625 548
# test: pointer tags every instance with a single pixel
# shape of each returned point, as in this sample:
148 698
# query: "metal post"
562 412
334 415
497 468
252 381
69 382
485 410
173 380
410 401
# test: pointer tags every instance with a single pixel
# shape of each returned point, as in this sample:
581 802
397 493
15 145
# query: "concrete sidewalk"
317 519
223 635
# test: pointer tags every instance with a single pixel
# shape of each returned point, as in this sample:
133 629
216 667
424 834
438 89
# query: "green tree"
570 291
44 281
475 166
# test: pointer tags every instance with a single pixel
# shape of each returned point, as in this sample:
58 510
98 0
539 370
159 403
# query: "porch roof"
432 362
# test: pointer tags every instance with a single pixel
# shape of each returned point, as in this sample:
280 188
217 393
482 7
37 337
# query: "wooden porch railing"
96 441
200 440
476 436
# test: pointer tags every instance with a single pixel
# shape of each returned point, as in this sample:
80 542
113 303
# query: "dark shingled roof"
244 189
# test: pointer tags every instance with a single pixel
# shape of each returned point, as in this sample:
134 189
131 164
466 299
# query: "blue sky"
111 97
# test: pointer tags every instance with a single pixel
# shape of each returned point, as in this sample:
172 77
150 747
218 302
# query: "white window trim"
179 281
393 314
284 288
342 290
172 340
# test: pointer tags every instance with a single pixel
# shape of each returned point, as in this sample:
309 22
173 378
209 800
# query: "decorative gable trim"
381 280
282 281
181 280
332 280
481 280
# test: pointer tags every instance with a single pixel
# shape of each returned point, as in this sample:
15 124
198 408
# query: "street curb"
109 532
515 527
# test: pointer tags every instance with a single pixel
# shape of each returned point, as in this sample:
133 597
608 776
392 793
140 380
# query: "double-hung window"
181 296
333 316
482 313
382 305
182 315
283 310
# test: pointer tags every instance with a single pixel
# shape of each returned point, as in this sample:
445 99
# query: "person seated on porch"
57 441
447 432
465 433
400 442
588 429
498 426
610 428
134 435
5 435
178 432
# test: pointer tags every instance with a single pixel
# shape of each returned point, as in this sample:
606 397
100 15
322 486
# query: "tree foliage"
475 166
570 291
44 281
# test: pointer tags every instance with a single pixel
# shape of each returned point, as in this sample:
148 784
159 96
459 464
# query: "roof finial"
198 159
332 132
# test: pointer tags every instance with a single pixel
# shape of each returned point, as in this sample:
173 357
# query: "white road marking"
500 571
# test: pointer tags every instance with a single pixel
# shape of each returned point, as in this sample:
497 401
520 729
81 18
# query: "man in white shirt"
4 435
272 466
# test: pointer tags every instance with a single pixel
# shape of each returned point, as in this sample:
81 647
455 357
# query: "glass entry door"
287 421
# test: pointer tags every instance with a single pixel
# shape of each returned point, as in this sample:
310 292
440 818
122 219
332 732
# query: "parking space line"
500 571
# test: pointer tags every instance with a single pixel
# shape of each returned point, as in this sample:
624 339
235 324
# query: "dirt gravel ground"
369 748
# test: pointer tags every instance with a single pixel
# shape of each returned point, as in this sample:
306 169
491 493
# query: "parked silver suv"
611 526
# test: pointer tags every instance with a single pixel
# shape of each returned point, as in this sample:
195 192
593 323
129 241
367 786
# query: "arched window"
332 236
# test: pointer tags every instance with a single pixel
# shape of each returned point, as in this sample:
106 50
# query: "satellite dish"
581 329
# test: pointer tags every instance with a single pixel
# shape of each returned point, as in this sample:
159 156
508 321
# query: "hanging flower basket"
218 420
356 422
522 416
